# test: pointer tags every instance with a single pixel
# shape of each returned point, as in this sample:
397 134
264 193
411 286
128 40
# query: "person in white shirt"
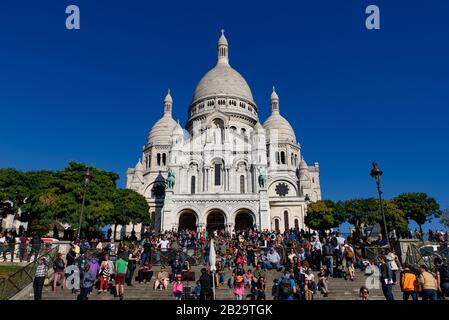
316 249
163 245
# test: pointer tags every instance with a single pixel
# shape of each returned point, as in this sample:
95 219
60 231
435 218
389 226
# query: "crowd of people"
300 263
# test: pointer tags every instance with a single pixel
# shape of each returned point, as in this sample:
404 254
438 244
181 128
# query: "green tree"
360 211
322 215
129 207
46 196
367 211
418 207
13 188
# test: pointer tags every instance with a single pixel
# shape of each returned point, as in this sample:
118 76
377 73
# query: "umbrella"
212 259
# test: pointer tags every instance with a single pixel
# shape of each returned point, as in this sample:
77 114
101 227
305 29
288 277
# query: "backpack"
59 264
349 254
328 250
285 287
334 242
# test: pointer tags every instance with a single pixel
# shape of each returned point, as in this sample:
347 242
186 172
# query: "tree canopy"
367 211
418 207
46 196
323 215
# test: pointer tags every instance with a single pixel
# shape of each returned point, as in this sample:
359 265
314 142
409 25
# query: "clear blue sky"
352 95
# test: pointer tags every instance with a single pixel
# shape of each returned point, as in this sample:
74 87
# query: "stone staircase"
339 289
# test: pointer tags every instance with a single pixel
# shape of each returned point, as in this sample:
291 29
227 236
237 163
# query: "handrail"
20 279
417 256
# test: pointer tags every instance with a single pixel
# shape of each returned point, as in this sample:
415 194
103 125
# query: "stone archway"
244 221
187 221
216 220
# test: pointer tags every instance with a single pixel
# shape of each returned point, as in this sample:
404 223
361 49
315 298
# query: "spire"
168 103
223 49
274 99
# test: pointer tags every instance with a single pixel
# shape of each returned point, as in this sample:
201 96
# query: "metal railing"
417 256
16 282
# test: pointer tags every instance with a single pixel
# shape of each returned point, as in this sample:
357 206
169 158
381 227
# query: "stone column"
264 209
167 213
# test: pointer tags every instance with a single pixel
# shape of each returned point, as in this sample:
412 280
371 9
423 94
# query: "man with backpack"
87 280
286 287
337 253
328 252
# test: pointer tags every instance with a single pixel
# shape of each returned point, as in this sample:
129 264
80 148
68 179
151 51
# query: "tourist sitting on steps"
162 279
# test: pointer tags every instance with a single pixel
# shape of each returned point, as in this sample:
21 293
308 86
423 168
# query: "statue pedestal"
167 212
264 210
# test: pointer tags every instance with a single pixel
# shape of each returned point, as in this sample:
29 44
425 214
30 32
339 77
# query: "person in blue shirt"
286 287
87 282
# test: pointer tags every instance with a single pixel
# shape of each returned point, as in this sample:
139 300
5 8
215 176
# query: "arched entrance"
215 221
187 221
244 221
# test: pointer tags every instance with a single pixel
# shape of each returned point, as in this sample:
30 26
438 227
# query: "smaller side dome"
277 126
163 129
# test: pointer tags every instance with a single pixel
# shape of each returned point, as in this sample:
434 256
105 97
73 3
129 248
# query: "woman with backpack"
59 269
349 259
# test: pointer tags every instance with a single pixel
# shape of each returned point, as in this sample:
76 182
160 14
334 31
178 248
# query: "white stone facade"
217 158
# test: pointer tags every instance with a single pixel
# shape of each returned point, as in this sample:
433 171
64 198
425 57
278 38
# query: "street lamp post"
376 173
87 180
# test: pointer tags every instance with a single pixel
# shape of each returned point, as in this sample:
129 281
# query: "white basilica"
225 170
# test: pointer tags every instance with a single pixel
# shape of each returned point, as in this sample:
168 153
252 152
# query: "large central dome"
223 91
222 80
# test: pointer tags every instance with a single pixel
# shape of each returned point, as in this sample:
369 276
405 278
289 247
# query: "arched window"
158 159
217 169
278 160
192 184
283 157
293 160
286 224
296 224
164 159
276 224
242 184
243 131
